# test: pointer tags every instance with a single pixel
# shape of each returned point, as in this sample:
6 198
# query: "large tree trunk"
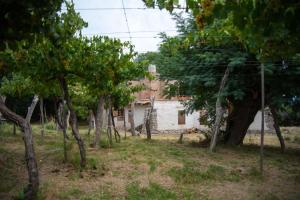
219 112
277 128
42 117
99 121
240 119
131 119
73 121
32 188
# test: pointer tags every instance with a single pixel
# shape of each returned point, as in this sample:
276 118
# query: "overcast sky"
113 20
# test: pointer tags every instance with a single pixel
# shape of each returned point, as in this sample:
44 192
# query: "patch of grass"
270 196
255 174
153 192
70 194
50 126
153 165
103 194
190 175
233 176
7 175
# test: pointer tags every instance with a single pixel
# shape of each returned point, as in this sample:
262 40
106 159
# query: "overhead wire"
128 29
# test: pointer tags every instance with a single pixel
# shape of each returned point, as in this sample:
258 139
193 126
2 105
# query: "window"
181 117
120 115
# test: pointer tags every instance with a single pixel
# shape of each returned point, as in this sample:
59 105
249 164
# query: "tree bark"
73 121
42 117
61 121
239 120
124 124
31 163
31 108
131 119
219 112
99 121
148 119
277 128
109 123
116 132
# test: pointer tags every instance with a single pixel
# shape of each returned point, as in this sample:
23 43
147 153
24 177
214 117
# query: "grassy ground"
159 169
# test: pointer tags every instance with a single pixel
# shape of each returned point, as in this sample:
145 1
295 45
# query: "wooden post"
262 118
219 113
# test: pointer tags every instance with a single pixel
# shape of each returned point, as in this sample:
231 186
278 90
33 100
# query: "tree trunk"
91 122
219 112
277 128
73 121
67 118
148 119
61 121
180 140
239 120
124 124
131 119
31 108
42 117
14 129
99 121
116 132
109 132
31 163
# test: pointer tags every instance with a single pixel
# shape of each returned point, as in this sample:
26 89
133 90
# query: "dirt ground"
157 169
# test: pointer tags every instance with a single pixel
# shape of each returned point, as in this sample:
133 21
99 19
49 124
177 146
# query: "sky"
111 22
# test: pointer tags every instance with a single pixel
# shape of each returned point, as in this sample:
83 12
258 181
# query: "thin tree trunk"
109 123
91 122
148 119
124 120
180 138
31 108
99 121
131 119
31 163
67 118
277 128
14 129
219 113
73 121
42 117
45 114
116 132
61 121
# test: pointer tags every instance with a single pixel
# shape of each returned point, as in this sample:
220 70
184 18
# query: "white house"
168 115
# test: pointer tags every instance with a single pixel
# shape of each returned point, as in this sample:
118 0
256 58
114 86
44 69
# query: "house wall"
167 116
256 124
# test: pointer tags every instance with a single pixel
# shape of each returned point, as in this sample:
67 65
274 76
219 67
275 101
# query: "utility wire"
116 8
126 21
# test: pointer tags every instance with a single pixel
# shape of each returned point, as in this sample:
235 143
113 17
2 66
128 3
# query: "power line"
126 20
124 32
117 8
